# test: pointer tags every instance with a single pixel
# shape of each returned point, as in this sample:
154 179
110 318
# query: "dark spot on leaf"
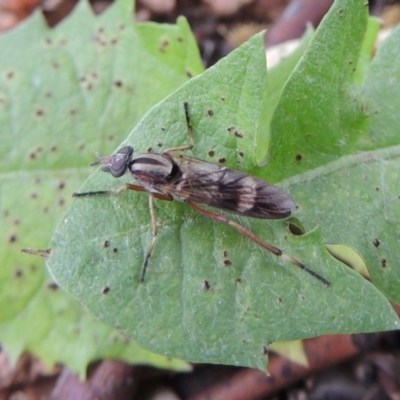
279 300
34 195
53 148
89 87
383 262
16 222
222 160
6 213
100 29
18 273
32 155
230 129
114 41
63 42
10 75
61 202
118 83
12 238
222 98
189 74
121 27
115 250
164 44
265 350
101 41
238 134
55 64
110 138
105 290
210 112
73 112
296 230
159 144
377 189
225 254
106 244
241 154
39 112
206 286
239 280
45 210
376 242
61 185
150 150
48 41
227 263
244 341
52 286
299 157
211 153
179 39
162 128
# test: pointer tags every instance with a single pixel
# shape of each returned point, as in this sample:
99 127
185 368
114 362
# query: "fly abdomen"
251 196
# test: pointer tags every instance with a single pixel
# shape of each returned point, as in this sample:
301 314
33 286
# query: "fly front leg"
126 186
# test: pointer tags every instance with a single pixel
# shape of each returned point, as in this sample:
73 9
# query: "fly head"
118 163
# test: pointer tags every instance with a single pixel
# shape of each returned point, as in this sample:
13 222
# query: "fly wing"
203 182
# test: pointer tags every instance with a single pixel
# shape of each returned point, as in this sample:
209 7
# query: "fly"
172 176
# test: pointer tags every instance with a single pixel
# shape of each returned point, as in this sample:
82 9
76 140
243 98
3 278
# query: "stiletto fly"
173 176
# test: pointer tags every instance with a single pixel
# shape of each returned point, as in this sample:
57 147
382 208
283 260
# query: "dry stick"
322 352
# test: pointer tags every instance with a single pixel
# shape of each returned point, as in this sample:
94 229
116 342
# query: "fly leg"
190 132
126 186
153 240
137 188
256 239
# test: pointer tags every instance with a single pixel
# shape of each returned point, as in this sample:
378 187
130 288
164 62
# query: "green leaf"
210 294
277 77
64 93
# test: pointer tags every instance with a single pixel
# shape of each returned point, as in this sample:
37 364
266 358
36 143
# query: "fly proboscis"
170 175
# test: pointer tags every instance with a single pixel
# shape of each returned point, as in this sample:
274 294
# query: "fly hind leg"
256 239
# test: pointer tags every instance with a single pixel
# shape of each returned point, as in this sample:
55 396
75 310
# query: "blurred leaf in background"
65 93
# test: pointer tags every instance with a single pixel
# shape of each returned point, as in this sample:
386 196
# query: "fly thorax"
152 169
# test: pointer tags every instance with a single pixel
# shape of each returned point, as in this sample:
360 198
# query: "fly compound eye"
119 162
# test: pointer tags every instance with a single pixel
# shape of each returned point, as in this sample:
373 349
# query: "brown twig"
321 352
